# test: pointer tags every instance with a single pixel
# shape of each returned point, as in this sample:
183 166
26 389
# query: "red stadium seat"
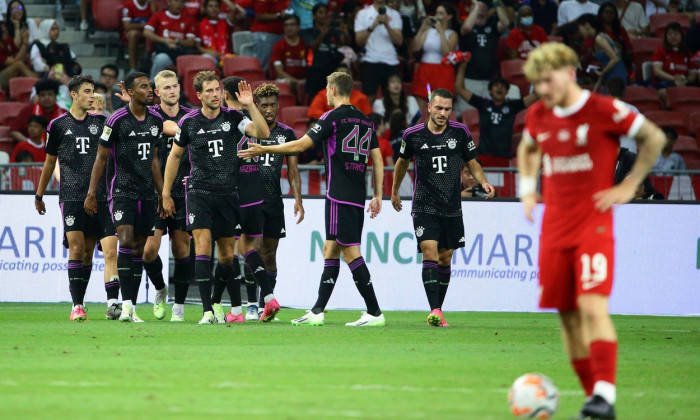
644 98
669 118
293 113
284 87
686 144
302 97
658 22
108 14
247 68
642 50
190 93
470 117
7 147
287 100
299 128
4 133
185 63
21 88
519 124
693 123
683 98
3 96
8 111
512 70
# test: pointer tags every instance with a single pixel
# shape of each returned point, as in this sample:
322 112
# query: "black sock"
87 271
112 289
154 270
272 275
137 273
124 271
221 274
257 267
181 277
75 280
233 283
202 270
430 283
331 269
363 281
444 280
251 286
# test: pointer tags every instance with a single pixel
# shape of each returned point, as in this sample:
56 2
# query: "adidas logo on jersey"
238 226
70 220
201 131
132 134
69 132
329 281
259 269
461 239
283 231
425 146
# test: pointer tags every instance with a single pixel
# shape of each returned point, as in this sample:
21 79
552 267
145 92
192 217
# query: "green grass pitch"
52 368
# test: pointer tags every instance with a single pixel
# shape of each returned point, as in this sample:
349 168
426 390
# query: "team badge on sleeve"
105 133
403 146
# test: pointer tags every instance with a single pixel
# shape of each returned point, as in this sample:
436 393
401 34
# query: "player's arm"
169 128
462 91
98 170
292 147
375 206
470 21
478 173
650 140
171 166
529 159
155 171
399 173
295 183
46 172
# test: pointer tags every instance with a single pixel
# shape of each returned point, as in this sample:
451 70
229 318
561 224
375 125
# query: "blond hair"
549 56
164 74
342 81
266 90
99 100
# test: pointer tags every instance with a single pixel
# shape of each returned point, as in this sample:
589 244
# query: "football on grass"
533 396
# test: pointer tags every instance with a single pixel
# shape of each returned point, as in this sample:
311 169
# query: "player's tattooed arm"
529 159
46 172
98 169
478 173
399 173
295 184
171 166
375 206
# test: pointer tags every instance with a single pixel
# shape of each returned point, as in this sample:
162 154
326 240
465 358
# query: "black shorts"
141 214
104 218
178 222
273 220
250 221
447 231
344 223
76 219
375 75
215 212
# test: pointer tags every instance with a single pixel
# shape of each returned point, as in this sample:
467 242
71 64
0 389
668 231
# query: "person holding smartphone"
323 39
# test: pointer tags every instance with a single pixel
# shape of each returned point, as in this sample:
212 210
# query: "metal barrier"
673 185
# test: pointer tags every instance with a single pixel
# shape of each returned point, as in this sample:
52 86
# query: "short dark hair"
670 132
293 17
77 81
24 154
231 85
130 78
350 6
441 92
44 85
111 67
498 80
318 6
206 2
99 85
39 120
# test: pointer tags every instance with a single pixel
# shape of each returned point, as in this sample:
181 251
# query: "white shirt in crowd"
432 47
634 18
570 10
413 110
379 48
652 8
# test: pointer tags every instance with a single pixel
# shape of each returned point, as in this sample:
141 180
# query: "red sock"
585 374
603 355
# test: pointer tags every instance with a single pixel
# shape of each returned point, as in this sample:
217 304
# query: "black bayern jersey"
132 143
211 148
271 164
438 166
178 190
248 176
75 142
347 136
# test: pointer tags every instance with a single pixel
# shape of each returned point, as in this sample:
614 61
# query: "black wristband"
38 197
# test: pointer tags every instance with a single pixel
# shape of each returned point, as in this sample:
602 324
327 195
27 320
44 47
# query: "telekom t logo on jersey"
216 147
440 163
82 144
143 150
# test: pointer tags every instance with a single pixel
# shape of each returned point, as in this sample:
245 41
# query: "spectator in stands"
36 140
408 29
625 162
632 17
135 15
215 33
607 52
671 64
395 99
668 159
83 6
496 118
109 76
378 31
480 35
471 188
436 37
305 10
610 24
694 37
415 10
172 35
656 6
544 13
17 23
382 132
267 28
397 125
47 53
323 40
347 23
12 57
525 37
3 10
616 89
288 58
192 10
23 157
46 89
570 10
319 105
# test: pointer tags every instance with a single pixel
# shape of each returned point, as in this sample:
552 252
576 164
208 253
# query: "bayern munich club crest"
451 143
226 126
280 139
419 231
118 215
70 220
154 130
93 129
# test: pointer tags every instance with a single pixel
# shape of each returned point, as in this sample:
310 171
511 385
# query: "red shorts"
567 273
438 75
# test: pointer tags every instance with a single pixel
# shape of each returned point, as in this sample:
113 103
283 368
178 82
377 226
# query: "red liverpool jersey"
170 26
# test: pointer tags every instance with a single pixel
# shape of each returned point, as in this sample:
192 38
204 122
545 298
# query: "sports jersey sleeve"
624 121
126 13
374 141
468 147
529 132
152 23
477 102
406 150
53 139
658 56
108 135
181 137
321 130
513 39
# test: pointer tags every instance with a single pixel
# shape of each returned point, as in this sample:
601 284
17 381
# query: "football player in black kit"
73 138
440 147
130 140
211 136
348 139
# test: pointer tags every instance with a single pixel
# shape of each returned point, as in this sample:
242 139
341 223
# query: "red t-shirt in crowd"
38 152
22 121
269 6
517 41
292 57
135 13
674 62
7 49
216 35
168 25
191 10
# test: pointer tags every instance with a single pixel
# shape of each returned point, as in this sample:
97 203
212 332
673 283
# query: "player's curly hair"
202 77
549 56
266 90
